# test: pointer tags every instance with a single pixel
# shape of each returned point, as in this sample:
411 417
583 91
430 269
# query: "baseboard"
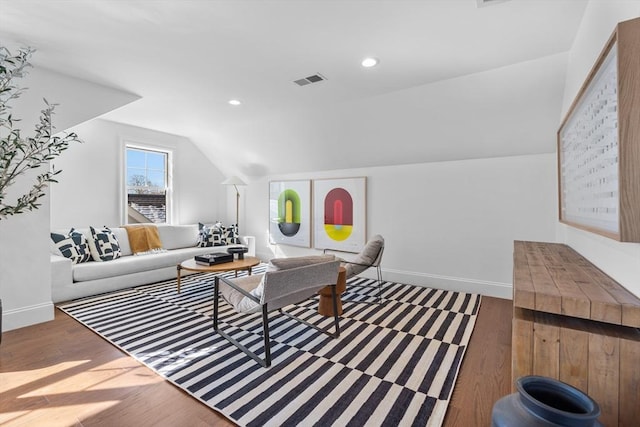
449 283
458 284
27 316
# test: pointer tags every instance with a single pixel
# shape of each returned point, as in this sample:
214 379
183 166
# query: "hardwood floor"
485 375
60 373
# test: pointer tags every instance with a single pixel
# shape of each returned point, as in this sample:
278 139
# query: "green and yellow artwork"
289 212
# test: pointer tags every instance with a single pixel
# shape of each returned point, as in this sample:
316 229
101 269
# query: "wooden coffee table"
237 265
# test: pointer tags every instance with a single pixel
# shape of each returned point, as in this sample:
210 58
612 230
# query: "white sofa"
70 281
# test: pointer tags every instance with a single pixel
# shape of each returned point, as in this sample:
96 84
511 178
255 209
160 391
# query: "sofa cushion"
103 244
178 236
73 246
134 264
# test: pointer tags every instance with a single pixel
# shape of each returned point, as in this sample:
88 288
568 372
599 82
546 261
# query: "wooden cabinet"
599 143
574 323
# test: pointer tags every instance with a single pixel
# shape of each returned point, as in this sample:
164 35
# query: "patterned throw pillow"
73 246
103 245
209 236
230 234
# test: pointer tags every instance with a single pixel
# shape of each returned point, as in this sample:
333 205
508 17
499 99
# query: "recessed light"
369 62
234 102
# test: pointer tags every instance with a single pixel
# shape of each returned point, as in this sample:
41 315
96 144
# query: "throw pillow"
103 244
209 236
73 246
230 234
366 258
295 262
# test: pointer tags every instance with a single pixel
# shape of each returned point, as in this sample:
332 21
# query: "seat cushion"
134 264
241 303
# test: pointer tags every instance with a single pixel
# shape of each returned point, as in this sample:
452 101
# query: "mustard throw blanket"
144 239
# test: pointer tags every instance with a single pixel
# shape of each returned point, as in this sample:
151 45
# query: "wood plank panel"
574 302
546 349
547 295
574 357
524 294
604 375
629 405
629 303
522 349
604 307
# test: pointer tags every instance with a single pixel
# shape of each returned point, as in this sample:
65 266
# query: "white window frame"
127 143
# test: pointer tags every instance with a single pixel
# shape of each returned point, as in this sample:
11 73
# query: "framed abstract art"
339 213
290 212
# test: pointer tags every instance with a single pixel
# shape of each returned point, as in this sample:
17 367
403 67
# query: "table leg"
178 268
325 305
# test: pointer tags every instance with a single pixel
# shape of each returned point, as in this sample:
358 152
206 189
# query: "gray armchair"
287 281
369 257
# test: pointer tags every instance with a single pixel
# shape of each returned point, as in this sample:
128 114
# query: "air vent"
311 79
483 3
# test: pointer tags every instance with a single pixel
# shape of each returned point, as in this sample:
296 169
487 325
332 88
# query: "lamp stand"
237 209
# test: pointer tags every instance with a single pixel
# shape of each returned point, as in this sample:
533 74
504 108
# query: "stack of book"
213 258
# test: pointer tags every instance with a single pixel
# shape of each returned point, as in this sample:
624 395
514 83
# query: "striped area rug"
394 364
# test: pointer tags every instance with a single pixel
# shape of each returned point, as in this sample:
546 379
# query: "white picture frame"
340 214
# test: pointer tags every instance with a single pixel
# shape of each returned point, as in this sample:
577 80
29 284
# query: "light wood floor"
60 373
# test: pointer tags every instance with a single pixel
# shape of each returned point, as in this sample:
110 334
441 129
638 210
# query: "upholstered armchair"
287 281
369 257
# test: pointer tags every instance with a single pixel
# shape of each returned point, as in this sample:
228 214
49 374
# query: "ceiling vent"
311 79
483 3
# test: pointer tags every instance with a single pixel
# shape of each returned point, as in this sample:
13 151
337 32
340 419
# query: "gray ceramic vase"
542 401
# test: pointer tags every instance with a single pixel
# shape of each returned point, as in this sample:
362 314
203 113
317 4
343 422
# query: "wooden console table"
574 323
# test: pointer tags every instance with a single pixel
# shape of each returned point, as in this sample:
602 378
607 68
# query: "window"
147 185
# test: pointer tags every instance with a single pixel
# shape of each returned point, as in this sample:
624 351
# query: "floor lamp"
235 181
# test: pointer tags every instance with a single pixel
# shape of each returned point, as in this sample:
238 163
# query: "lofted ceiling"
448 69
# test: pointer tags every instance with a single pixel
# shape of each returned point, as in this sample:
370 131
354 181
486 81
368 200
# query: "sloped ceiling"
455 81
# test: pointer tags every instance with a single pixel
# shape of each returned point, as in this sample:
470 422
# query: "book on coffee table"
213 258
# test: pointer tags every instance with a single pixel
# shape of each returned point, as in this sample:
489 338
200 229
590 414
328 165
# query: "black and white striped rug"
394 364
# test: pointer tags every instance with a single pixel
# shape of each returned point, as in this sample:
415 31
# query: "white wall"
89 192
619 260
25 279
449 224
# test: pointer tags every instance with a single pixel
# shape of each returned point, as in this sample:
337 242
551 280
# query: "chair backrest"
370 256
293 285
